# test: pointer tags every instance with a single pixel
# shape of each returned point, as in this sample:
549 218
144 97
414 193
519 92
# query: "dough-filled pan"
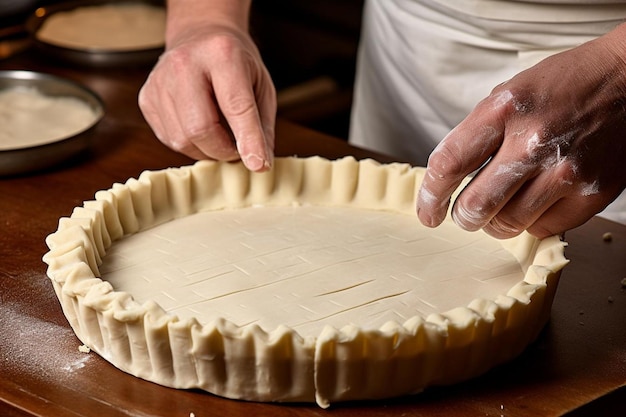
90 57
19 160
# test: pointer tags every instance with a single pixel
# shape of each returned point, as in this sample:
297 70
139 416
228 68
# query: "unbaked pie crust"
124 26
311 282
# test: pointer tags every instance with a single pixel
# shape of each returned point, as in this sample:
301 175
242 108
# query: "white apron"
423 65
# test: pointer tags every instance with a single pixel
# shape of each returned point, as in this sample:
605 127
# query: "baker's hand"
211 97
549 147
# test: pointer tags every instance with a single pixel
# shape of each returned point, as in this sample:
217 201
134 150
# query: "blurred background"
309 48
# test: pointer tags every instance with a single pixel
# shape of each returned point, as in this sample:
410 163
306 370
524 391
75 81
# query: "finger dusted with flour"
555 157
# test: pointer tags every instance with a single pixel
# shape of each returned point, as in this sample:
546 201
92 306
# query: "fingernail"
254 162
431 210
425 219
270 158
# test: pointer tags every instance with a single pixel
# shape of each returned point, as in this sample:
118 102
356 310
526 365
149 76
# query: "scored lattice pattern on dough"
307 267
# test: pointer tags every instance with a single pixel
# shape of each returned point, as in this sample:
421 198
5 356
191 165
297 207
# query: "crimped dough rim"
280 365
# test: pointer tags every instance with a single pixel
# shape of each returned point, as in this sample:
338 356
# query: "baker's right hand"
211 97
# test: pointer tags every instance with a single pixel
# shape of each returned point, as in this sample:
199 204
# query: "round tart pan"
19 160
90 57
340 362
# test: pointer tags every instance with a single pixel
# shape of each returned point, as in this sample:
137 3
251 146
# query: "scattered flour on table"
47 349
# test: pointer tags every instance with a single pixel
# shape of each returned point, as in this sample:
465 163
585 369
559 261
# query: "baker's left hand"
548 147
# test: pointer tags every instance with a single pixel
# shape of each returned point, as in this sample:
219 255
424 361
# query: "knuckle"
472 210
515 99
238 104
568 172
197 130
505 225
445 162
192 127
179 144
541 230
225 45
175 61
144 101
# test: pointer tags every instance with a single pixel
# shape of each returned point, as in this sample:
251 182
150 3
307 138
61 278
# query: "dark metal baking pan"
90 57
20 160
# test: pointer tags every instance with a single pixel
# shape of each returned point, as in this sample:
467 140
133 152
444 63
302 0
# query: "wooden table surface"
578 363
